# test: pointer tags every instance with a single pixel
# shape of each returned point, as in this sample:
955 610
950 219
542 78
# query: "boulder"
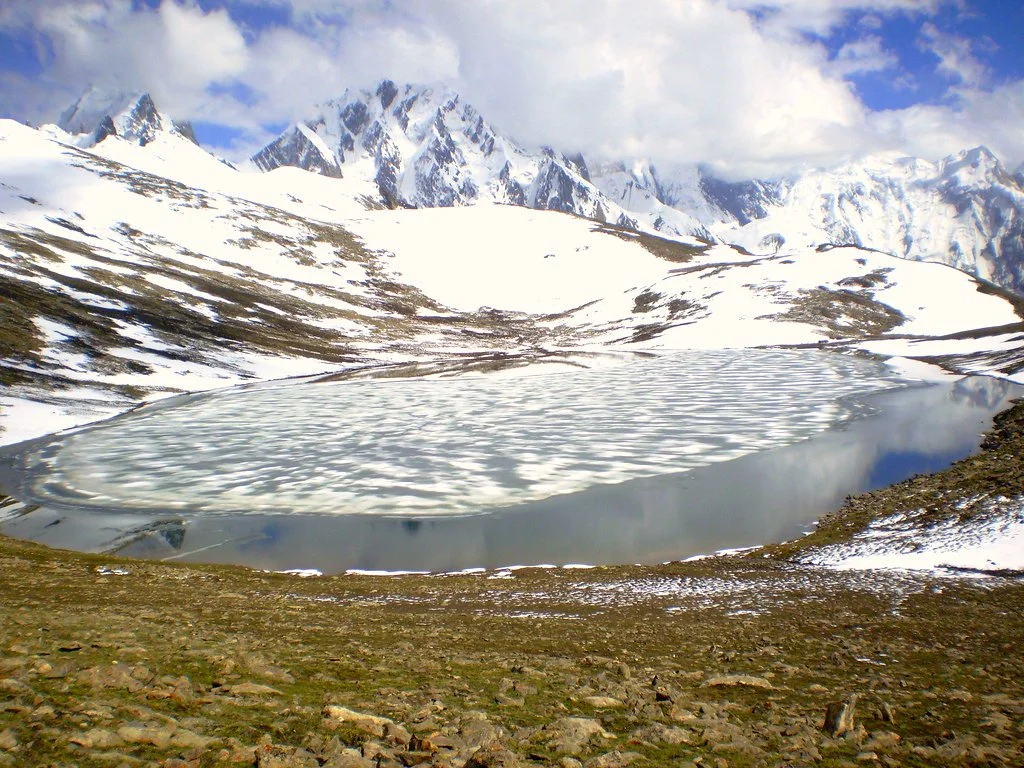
747 681
493 756
839 717
602 702
614 759
571 735
381 727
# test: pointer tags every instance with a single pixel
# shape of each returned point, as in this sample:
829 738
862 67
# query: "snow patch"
991 540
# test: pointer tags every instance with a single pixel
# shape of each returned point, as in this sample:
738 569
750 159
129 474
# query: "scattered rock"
657 733
681 714
8 740
411 757
156 735
97 738
186 739
117 675
348 758
881 741
250 689
15 687
477 731
237 755
275 756
260 667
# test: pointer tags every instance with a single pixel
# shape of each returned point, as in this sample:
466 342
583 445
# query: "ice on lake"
653 460
451 447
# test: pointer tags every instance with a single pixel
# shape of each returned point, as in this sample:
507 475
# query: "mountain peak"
132 115
977 163
95 104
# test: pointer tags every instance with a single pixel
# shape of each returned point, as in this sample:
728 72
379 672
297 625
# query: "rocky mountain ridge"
133 116
423 147
430 148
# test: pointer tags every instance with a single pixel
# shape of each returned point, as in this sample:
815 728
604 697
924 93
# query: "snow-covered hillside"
426 147
134 269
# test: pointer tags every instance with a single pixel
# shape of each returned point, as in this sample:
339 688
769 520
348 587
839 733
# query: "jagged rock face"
966 211
184 129
142 122
440 171
425 147
555 189
296 147
743 200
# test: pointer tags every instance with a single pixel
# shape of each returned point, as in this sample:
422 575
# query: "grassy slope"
437 654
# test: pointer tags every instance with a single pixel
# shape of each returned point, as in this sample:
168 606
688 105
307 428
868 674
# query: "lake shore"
727 661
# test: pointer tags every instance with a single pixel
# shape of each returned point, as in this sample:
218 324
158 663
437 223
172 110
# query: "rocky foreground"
749 660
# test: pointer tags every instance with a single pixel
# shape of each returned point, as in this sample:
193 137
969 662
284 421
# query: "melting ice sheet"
652 460
443 447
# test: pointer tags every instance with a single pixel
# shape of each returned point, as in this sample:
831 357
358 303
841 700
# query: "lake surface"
649 461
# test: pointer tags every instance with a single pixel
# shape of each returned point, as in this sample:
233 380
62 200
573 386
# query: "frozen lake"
652 460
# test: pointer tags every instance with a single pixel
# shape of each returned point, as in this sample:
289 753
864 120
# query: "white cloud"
174 51
955 54
862 56
992 118
701 80
791 18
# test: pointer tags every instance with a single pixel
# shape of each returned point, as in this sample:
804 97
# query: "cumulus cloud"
746 85
793 18
989 117
174 51
956 57
863 55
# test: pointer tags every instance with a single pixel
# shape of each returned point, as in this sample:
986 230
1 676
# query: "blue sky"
752 86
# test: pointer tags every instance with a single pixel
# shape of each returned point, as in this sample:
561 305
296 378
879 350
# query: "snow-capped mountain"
132 116
417 146
424 147
966 211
